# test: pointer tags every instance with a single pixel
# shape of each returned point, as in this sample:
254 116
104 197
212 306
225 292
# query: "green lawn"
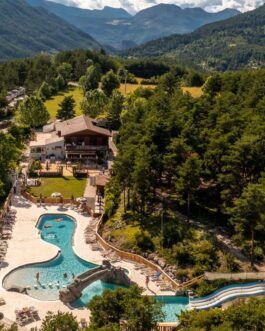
53 104
64 185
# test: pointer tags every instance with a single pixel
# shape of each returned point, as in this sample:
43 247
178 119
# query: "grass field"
195 92
52 105
64 185
133 87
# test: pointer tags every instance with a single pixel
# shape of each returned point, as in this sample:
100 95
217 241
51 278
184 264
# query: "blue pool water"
60 233
172 306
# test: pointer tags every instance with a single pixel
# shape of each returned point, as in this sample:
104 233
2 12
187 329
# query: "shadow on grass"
62 92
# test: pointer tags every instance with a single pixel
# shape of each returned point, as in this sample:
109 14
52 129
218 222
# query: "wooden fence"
167 326
133 257
44 200
234 276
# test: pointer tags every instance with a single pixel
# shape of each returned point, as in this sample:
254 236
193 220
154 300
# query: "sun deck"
26 247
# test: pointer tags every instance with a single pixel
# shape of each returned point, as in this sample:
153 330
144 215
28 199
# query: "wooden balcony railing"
81 148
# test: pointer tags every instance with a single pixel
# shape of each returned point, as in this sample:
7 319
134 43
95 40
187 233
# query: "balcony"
85 148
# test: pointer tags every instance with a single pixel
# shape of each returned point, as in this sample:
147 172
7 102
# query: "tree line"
202 154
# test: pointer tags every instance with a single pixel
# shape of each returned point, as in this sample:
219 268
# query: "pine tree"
66 110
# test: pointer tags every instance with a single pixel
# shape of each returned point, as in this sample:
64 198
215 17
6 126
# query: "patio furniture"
81 200
56 195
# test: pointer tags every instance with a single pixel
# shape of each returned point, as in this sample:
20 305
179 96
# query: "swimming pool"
172 306
58 230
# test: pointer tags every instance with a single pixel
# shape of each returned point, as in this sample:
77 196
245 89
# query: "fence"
133 257
167 326
160 326
234 276
50 201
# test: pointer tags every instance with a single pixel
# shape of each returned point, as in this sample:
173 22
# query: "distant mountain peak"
231 44
118 29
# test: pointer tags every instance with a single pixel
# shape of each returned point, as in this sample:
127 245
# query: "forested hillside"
235 43
25 31
204 157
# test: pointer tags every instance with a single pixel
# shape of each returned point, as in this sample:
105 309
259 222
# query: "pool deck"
26 247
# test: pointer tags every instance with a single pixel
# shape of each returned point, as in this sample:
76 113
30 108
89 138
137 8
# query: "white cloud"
137 5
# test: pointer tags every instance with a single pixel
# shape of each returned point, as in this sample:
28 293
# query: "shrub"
144 241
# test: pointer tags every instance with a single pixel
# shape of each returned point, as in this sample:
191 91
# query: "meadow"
67 186
52 104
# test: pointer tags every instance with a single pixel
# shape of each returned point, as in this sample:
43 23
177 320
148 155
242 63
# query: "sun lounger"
2 302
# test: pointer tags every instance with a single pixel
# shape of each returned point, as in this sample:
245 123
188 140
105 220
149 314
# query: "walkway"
91 190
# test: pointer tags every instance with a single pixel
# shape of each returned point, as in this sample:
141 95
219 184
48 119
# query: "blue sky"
137 5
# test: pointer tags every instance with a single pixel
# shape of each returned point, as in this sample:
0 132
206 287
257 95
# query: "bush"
181 254
144 241
150 81
182 274
231 264
140 312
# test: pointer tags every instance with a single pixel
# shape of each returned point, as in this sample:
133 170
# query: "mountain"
235 43
25 31
73 13
118 29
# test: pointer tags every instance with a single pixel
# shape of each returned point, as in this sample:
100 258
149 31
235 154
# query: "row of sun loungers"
90 233
161 283
6 227
26 315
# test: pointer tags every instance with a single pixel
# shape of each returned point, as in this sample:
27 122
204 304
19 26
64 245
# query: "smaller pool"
172 306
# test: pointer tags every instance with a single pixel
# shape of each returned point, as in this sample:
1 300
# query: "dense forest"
203 157
232 44
31 72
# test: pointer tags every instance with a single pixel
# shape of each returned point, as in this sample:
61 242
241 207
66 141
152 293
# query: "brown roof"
79 124
102 180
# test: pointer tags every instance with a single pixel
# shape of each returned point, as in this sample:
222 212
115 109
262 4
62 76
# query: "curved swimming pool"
58 229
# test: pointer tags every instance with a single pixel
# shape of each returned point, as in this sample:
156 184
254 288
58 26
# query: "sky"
134 6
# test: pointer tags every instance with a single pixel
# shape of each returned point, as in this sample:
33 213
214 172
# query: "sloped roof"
102 180
79 124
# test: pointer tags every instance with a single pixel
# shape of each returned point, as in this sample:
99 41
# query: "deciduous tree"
110 82
33 113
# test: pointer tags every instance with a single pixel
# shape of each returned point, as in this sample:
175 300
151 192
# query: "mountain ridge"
36 31
235 43
120 29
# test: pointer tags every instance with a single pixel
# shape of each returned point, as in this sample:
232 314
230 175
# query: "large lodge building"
78 139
